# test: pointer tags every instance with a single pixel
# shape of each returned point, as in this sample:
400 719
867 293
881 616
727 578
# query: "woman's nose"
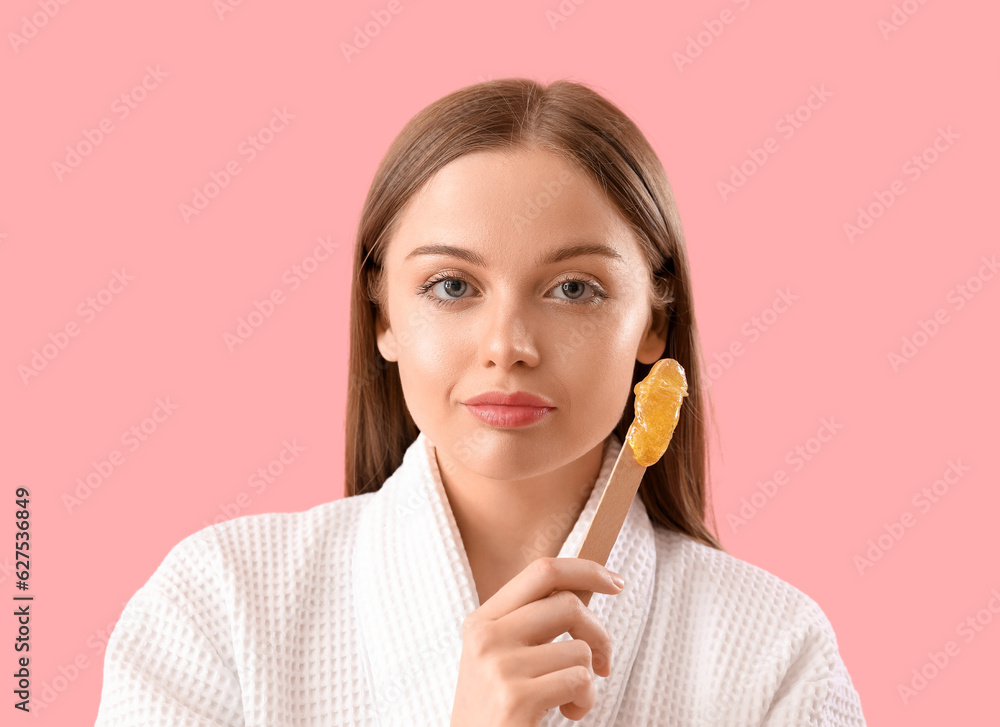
509 335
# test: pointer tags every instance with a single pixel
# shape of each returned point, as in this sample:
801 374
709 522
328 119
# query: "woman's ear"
385 339
654 340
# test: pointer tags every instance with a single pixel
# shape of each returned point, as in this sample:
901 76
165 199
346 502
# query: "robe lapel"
413 588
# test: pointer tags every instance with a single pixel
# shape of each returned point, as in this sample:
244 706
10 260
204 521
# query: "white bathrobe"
351 614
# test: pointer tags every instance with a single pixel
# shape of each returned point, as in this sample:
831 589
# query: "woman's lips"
509 416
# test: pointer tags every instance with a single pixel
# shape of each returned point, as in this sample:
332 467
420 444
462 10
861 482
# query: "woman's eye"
445 291
451 288
574 289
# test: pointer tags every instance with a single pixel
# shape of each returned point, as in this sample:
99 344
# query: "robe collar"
413 588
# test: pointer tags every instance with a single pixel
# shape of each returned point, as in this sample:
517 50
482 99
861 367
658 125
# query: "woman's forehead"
534 199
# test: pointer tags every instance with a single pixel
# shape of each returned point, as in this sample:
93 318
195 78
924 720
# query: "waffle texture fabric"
350 613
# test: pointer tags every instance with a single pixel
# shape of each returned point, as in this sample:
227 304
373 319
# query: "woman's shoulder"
227 598
701 575
274 531
724 616
263 543
752 612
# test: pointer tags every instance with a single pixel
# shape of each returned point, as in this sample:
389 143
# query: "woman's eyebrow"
474 258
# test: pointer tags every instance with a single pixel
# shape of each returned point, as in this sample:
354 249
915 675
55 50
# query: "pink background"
826 355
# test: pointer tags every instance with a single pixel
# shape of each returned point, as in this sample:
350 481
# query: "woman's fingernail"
618 580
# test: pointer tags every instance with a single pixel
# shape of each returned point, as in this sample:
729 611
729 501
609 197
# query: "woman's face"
502 314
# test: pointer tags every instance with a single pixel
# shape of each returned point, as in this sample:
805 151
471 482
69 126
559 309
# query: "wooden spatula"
658 399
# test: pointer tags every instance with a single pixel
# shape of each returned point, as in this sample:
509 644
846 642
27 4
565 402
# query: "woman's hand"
510 673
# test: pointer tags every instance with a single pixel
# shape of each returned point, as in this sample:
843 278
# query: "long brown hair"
576 122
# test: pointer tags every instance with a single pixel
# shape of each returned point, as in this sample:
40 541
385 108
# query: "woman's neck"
507 524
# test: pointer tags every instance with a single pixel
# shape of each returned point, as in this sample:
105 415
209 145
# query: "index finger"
544 576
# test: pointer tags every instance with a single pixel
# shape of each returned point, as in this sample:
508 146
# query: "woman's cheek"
437 350
612 364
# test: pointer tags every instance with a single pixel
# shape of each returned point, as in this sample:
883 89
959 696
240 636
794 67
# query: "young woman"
520 265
